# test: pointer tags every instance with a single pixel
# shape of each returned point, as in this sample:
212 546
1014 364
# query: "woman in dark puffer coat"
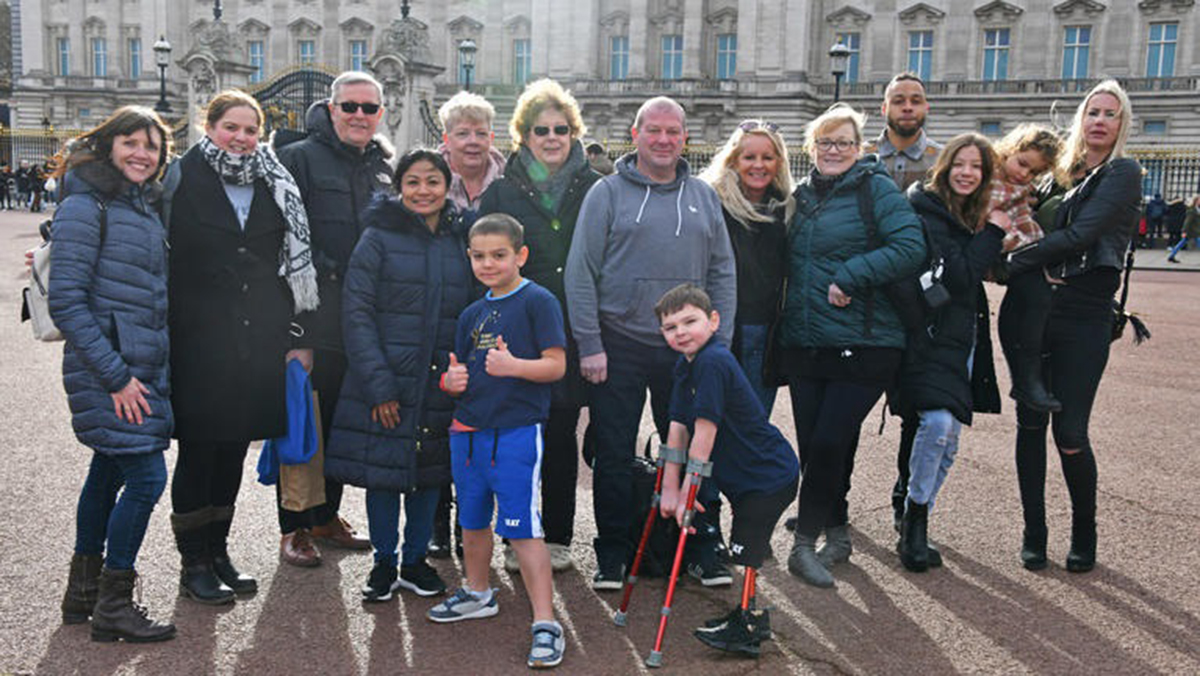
108 297
948 370
408 280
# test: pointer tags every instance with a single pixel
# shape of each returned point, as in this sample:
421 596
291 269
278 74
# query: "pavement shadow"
1032 629
71 650
873 637
302 626
1153 614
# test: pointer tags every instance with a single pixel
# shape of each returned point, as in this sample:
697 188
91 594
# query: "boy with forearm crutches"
718 425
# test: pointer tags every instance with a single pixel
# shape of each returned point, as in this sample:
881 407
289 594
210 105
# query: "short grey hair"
352 77
466 106
659 103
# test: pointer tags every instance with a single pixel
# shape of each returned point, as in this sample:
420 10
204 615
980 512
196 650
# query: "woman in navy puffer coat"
108 296
408 280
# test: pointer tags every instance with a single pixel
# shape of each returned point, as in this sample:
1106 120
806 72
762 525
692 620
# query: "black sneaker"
380 583
762 628
710 572
421 579
741 633
609 576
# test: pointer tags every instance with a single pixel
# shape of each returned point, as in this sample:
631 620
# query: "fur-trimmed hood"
104 180
389 213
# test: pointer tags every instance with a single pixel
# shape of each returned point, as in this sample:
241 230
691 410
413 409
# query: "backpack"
659 554
36 304
917 296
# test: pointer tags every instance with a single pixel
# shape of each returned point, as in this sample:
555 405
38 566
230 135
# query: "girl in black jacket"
947 370
1083 257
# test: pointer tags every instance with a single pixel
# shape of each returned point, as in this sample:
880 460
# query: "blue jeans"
750 355
1183 241
120 521
383 520
933 453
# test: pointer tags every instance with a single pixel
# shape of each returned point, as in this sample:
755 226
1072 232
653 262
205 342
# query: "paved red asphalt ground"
1137 613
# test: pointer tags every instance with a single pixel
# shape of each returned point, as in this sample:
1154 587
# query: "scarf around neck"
552 187
295 256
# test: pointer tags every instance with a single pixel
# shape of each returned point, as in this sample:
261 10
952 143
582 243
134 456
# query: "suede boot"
83 586
117 617
197 579
1027 386
218 549
914 542
837 547
804 564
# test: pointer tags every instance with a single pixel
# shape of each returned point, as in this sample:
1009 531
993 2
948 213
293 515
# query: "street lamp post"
162 57
839 55
466 58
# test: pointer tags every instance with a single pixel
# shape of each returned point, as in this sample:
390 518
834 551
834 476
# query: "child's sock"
484 596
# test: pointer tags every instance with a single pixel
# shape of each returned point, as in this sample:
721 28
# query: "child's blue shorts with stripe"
499 470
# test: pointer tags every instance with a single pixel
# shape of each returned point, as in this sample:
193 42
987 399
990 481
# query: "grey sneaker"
465 604
548 645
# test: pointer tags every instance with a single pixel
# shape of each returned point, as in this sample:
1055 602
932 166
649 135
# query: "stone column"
693 39
403 63
639 44
213 63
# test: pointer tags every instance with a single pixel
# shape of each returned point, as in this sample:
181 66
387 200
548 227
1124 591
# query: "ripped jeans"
933 453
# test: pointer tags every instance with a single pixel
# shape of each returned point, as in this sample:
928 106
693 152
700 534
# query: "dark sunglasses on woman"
751 125
351 107
559 130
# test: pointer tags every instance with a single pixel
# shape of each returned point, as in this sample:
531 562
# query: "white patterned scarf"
295 258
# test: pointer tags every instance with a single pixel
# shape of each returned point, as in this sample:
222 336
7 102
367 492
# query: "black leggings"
1024 313
828 415
560 473
1077 344
207 473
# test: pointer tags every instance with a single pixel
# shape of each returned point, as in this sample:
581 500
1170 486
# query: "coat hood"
319 123
102 179
627 169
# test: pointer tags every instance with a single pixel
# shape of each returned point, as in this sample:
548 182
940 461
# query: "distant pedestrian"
1156 211
1191 230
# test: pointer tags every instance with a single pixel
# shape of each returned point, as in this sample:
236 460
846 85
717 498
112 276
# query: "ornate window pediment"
518 25
668 22
1078 8
253 28
1152 7
304 27
464 25
356 28
998 12
723 20
618 22
94 25
847 17
921 13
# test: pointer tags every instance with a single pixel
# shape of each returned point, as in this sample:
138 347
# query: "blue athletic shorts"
499 470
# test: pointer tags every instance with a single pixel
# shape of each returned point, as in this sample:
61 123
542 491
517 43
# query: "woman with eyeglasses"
753 178
840 339
240 269
543 187
1082 257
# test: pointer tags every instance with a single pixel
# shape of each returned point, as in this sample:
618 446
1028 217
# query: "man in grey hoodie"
641 231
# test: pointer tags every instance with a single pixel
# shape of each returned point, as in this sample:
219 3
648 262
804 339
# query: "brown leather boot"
83 586
117 617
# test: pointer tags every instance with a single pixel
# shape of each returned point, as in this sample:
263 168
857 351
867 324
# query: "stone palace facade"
988 63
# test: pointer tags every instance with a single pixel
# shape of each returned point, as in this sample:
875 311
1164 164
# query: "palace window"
1076 45
254 49
358 55
726 56
522 61
920 53
1160 53
672 57
853 42
135 58
995 54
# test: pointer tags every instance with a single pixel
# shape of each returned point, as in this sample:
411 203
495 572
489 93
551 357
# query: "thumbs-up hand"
501 362
454 382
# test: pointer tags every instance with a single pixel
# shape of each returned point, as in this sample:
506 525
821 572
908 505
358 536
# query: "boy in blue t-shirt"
718 423
510 347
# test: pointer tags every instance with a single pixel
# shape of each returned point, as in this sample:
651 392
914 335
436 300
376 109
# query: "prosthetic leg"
696 470
744 628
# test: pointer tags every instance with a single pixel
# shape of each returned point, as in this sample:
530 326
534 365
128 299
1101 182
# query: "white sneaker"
465 604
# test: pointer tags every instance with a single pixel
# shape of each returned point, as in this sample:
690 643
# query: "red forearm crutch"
651 517
655 657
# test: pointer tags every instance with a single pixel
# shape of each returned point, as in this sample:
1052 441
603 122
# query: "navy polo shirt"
749 454
530 320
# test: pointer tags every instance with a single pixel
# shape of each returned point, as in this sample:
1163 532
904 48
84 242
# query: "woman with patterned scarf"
240 267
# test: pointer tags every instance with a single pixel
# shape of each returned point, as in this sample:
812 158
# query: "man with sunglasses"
642 231
903 146
338 166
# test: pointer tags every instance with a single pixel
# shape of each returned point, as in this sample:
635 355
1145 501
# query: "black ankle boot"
1033 549
199 582
1027 385
117 617
1082 556
218 552
239 582
914 541
439 543
83 587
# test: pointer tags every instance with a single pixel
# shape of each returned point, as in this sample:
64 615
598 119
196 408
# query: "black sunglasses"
751 125
351 107
559 130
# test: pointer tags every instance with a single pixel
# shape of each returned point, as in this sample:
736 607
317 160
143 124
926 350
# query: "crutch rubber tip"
654 660
619 618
